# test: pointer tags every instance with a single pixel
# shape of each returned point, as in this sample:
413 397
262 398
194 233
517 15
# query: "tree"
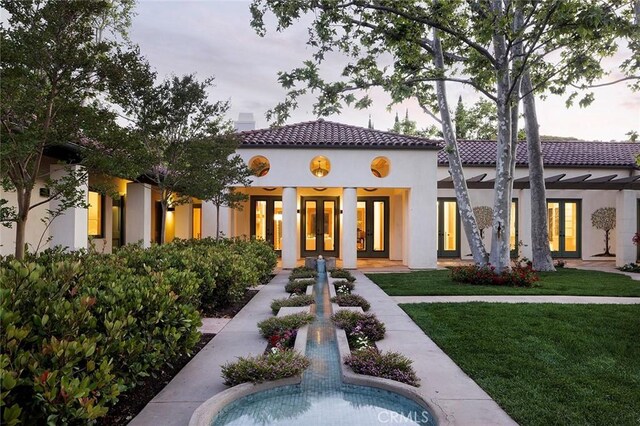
51 77
484 217
222 171
183 134
604 218
487 45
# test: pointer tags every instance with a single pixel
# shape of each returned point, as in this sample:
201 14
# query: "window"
196 220
380 167
95 224
320 166
259 165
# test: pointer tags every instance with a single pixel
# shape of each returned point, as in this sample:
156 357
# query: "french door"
266 220
319 226
564 218
448 228
373 227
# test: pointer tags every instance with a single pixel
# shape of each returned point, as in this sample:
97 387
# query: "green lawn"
545 364
568 282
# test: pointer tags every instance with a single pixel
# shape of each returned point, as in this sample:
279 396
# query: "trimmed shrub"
366 324
521 275
303 272
300 300
278 364
278 325
351 300
342 273
77 333
298 286
343 287
389 365
630 267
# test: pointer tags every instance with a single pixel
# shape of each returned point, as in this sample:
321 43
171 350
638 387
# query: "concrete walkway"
201 378
443 383
520 299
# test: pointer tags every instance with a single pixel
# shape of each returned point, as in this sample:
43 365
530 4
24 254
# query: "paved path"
443 383
520 299
201 378
213 325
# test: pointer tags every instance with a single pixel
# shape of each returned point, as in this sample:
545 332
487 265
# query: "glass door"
117 222
448 228
266 220
373 227
564 227
319 226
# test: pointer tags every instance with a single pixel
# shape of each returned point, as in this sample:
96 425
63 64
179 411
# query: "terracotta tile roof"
555 153
328 134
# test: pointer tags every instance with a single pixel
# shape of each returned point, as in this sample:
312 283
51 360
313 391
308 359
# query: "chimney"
245 122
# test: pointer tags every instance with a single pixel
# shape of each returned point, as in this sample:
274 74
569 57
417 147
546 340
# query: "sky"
214 38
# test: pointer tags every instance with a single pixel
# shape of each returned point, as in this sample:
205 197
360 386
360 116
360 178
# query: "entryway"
564 227
319 225
448 228
373 227
266 220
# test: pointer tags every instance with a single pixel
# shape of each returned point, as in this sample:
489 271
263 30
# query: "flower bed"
388 365
521 275
356 325
342 273
302 272
279 325
298 286
343 287
351 300
275 365
293 301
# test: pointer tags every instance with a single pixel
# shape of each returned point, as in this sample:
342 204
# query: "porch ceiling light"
319 171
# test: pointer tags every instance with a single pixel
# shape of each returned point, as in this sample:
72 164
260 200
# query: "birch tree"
411 49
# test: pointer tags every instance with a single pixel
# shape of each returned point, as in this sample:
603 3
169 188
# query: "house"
325 188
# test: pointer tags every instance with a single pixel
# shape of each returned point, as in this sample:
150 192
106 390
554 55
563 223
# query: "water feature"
322 398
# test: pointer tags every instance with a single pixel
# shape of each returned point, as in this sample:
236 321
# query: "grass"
567 282
545 364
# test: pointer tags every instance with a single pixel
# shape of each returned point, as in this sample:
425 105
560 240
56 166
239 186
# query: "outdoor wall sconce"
320 166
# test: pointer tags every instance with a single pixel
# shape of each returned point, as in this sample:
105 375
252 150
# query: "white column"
183 218
626 226
524 223
395 227
69 229
289 227
138 214
349 228
422 228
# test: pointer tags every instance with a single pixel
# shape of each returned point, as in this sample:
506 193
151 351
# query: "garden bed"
564 282
132 402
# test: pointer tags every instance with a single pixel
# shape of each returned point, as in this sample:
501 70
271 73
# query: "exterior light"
319 171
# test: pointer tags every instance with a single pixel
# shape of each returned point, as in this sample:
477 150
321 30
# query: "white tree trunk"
541 251
499 256
465 208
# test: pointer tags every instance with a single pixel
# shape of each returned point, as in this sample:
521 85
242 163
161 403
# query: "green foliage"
351 300
275 365
78 333
298 286
278 325
521 275
344 287
356 323
300 300
342 273
388 365
302 272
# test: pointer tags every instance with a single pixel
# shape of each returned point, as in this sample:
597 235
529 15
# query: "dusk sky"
214 38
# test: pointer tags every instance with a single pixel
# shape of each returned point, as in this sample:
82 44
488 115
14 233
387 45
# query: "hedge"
79 329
